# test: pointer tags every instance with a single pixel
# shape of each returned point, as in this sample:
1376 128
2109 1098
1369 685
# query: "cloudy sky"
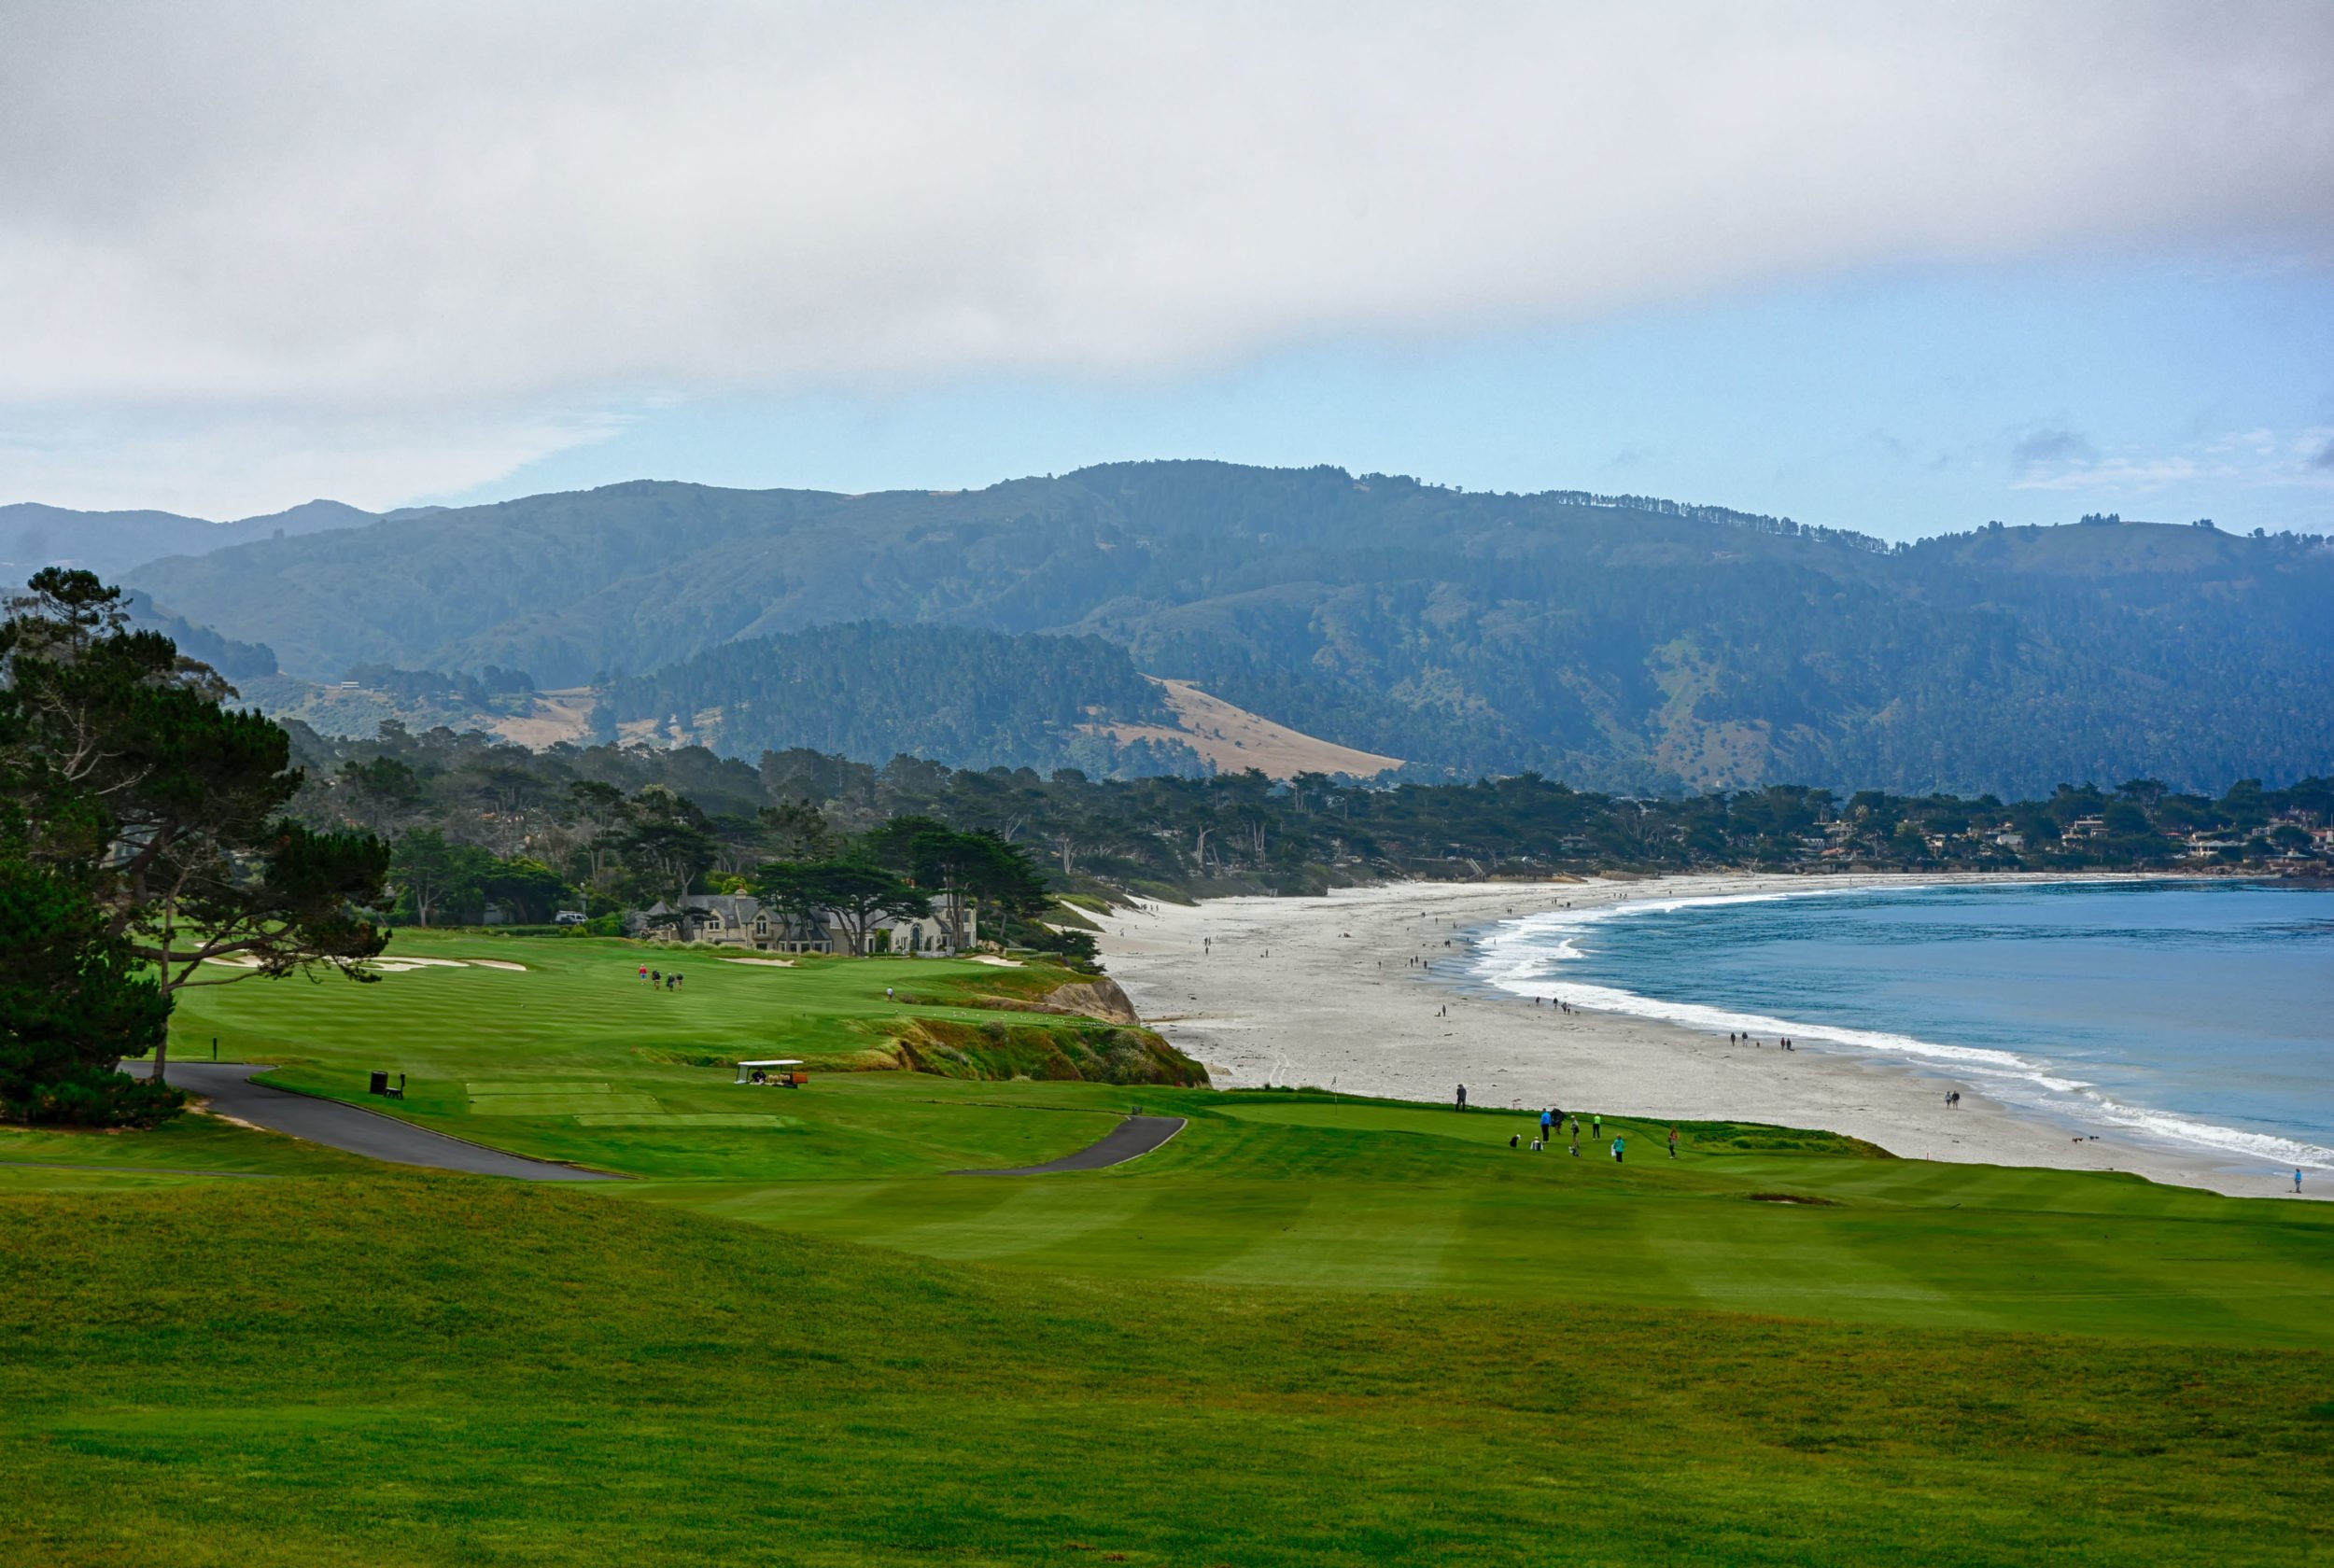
1897 268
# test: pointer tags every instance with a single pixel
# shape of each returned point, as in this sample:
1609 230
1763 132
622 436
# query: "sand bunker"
764 963
499 963
993 958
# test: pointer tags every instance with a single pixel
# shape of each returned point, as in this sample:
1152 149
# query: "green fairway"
572 1059
1386 1197
452 1370
1308 1329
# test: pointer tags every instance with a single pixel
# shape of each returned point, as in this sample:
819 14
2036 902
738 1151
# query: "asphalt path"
1131 1138
228 1087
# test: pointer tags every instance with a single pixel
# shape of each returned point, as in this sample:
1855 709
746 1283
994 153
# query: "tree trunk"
161 1057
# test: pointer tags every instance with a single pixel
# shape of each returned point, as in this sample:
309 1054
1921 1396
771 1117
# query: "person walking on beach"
2297 1179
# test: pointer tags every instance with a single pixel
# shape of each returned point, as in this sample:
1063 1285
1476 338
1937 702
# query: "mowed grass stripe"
1374 1237
581 1106
686 1119
1034 1225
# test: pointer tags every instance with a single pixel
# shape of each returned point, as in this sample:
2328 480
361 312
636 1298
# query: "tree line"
622 826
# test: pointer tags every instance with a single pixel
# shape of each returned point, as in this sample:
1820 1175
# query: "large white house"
740 920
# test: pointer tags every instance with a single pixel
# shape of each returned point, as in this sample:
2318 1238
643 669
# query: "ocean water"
2197 1013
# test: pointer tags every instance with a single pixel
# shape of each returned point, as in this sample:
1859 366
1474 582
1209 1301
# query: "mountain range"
33 536
1618 641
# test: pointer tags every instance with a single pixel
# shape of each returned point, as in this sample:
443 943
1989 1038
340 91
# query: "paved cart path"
1133 1137
228 1087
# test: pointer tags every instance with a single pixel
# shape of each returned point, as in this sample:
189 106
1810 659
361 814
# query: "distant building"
742 920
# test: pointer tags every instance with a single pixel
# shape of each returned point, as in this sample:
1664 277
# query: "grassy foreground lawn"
1308 1330
448 1370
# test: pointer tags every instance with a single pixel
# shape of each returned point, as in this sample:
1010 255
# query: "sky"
1898 269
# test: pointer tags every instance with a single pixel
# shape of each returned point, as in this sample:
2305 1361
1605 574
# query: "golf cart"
761 1073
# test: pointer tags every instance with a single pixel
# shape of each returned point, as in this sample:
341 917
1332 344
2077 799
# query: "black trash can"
380 1082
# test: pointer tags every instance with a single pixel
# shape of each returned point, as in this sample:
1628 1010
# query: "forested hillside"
1620 642
972 699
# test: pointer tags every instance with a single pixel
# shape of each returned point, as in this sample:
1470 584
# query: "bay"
2197 1012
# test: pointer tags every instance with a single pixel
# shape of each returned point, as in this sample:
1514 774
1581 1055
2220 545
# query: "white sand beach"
1318 991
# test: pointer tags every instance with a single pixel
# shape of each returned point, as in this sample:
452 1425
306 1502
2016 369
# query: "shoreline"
1320 991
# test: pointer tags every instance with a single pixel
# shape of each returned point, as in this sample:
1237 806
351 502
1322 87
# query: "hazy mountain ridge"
33 536
1616 641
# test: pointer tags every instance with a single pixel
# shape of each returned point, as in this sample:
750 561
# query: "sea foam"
1523 956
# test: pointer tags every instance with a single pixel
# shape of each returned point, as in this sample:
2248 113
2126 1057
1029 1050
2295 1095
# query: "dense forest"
977 699
1622 642
580 826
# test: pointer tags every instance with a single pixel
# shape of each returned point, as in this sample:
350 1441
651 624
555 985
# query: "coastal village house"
740 920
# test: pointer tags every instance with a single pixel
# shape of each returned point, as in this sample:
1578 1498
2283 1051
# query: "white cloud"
229 463
2253 459
343 213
